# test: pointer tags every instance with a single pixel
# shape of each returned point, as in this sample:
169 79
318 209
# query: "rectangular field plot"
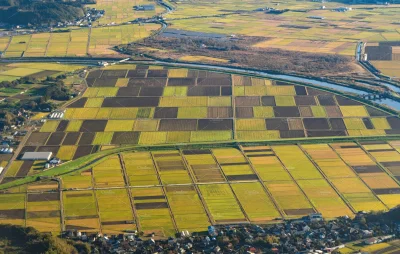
140 169
328 161
266 164
49 126
171 167
203 165
385 155
296 162
290 198
108 173
352 154
187 209
43 212
360 197
391 200
12 209
229 156
221 203
81 180
250 194
324 198
81 211
153 211
115 211
66 153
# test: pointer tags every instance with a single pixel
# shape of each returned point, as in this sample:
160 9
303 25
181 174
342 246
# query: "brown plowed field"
82 151
333 111
62 126
157 82
277 124
127 137
71 138
154 205
204 91
326 100
24 169
292 134
286 112
244 112
93 126
118 102
43 197
166 112
136 74
128 91
247 101
268 101
53 149
342 101
215 124
79 103
86 138
178 125
326 133
300 90
55 139
316 124
220 112
151 91
181 82
305 100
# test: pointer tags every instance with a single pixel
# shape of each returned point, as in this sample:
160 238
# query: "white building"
32 156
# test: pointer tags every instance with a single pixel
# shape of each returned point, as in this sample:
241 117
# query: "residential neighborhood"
311 234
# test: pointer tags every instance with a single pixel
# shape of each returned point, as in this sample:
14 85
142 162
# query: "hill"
24 12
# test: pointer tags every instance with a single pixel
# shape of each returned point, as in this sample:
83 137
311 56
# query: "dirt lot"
238 52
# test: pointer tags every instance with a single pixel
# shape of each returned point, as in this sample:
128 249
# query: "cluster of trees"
24 12
15 83
53 89
56 89
17 239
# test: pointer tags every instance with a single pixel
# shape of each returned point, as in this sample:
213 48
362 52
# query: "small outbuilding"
36 156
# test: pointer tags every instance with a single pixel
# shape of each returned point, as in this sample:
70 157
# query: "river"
384 102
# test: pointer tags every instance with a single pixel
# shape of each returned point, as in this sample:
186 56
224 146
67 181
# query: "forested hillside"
23 12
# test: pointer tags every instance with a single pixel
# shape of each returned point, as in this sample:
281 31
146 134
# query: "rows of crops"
164 191
75 43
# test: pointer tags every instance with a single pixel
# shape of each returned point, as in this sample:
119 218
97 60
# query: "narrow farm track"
97 203
296 183
230 187
326 178
62 216
135 214
281 212
192 176
164 192
48 44
359 178
378 163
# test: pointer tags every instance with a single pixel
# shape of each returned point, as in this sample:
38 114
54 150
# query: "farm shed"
31 156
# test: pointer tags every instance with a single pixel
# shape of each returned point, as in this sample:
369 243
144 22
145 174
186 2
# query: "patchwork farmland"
154 105
96 41
165 192
228 142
